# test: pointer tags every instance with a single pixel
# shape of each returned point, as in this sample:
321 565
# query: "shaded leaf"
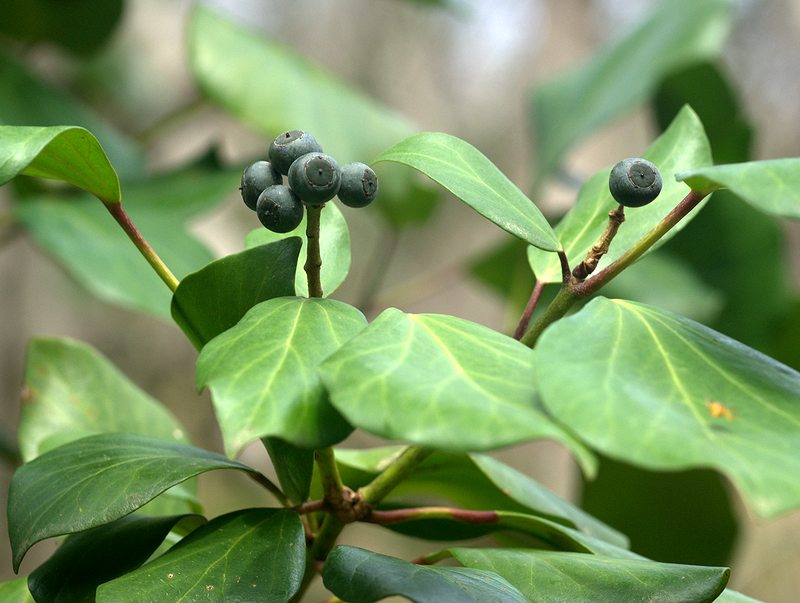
294 466
667 393
555 577
71 392
247 555
334 243
67 153
27 100
95 251
96 480
262 373
215 298
88 559
682 145
442 382
469 175
361 576
773 186
623 74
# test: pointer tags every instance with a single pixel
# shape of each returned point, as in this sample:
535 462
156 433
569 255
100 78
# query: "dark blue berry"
279 209
634 182
359 185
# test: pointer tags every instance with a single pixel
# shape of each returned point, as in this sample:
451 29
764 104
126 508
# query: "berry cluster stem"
313 256
124 220
615 218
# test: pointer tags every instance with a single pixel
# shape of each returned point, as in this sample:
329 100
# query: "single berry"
359 185
256 178
279 209
315 178
634 182
290 146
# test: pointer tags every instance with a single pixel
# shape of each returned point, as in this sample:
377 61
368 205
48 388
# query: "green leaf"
773 186
88 559
247 555
469 175
26 100
294 466
65 153
97 480
442 382
334 242
682 145
215 298
71 392
361 576
16 591
473 481
262 373
667 393
623 74
292 93
545 576
81 26
94 250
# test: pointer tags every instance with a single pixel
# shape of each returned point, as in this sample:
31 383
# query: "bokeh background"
466 67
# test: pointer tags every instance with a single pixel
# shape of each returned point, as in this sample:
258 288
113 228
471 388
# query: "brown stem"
615 218
387 518
313 263
538 287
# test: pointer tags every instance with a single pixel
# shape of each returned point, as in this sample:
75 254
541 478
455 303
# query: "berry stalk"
313 256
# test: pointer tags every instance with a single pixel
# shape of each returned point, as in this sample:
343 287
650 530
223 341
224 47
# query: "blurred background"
465 67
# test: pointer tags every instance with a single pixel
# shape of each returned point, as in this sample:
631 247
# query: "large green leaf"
550 577
247 555
215 298
772 186
80 26
624 73
71 392
681 146
262 373
334 243
289 92
473 481
665 392
16 591
88 559
361 576
97 253
442 382
469 175
96 480
26 100
67 153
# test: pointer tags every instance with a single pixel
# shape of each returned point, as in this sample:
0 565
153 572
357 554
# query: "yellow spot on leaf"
719 410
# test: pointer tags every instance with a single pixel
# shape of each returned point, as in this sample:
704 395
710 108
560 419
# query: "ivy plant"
108 470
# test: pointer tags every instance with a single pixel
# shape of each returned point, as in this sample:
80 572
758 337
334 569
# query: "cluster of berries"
313 178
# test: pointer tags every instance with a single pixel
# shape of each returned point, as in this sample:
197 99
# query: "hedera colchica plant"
109 468
301 372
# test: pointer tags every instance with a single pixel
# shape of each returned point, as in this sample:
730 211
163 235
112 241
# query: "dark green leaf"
545 577
638 502
247 555
67 153
26 100
215 298
88 559
71 392
668 393
772 186
294 466
683 145
442 382
469 175
80 25
361 576
623 74
334 242
98 254
96 480
262 373
705 88
15 591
